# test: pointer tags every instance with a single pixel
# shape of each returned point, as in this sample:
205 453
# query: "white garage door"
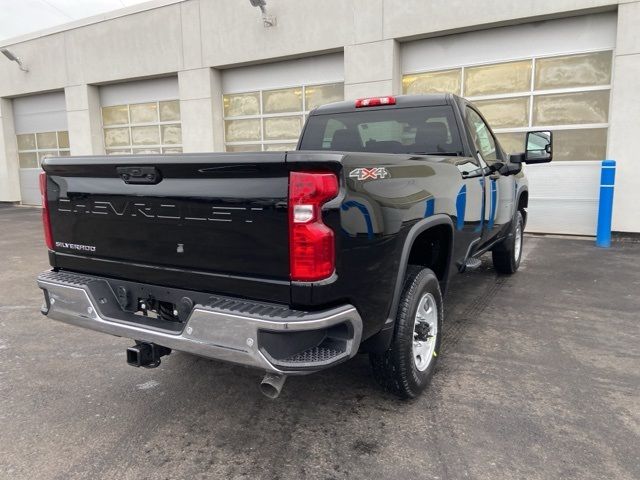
41 129
265 105
553 75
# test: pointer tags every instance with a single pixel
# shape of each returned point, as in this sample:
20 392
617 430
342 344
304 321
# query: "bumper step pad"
313 355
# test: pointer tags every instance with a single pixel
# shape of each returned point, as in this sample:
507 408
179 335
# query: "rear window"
423 130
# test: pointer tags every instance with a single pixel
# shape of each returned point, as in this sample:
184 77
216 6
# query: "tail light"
46 221
311 242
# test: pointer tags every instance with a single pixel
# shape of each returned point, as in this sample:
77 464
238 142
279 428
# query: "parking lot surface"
538 379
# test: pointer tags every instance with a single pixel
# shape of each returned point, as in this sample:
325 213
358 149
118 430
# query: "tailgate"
223 214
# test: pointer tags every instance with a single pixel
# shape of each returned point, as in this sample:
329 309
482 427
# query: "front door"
498 189
469 205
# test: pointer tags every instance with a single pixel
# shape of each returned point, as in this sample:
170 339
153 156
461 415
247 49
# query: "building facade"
206 75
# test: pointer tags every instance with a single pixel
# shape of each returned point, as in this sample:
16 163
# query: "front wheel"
407 367
507 255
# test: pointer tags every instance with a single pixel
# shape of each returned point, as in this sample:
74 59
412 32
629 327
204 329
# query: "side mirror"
539 147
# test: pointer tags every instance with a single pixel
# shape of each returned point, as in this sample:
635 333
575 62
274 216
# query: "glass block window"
152 127
34 147
271 120
568 94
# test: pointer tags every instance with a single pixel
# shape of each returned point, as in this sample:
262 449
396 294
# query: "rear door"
222 215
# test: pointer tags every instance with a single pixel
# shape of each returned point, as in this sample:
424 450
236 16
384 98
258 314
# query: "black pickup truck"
290 262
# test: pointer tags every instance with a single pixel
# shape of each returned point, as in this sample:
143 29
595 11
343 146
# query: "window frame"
263 143
131 148
476 151
37 150
532 93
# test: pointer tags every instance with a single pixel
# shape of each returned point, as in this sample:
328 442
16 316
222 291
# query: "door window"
142 128
482 136
567 92
271 120
34 147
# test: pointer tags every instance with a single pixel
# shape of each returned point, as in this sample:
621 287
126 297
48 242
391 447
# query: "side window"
482 137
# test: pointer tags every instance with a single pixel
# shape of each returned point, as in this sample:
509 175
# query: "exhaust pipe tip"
272 384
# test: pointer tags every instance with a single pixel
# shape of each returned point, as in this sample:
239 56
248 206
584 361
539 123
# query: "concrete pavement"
538 379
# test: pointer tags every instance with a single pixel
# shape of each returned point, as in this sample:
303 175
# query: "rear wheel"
507 255
407 367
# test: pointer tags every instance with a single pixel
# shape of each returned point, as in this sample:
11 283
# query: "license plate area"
157 307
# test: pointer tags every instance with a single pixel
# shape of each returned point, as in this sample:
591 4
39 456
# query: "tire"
507 255
401 370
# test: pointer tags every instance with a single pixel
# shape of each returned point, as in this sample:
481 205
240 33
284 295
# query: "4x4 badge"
369 173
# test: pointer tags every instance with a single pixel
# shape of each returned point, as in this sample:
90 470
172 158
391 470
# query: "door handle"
494 176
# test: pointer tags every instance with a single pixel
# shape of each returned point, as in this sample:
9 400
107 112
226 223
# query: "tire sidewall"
518 220
417 283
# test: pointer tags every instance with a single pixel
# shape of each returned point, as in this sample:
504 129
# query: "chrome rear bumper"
228 329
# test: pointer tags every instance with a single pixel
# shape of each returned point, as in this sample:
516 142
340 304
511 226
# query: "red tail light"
46 221
311 243
375 101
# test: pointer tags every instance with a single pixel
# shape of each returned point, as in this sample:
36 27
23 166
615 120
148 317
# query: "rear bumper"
267 336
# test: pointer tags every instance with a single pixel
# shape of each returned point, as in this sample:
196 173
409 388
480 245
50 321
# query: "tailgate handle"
137 175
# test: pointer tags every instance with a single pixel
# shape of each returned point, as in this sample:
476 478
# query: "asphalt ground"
539 378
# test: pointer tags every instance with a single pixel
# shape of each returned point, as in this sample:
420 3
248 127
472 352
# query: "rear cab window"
420 130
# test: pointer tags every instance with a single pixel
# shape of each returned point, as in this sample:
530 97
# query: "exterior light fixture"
267 20
14 58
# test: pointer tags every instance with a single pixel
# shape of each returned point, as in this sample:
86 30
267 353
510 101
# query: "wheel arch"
523 203
437 226
418 236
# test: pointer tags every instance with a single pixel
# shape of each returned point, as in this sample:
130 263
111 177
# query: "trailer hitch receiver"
146 355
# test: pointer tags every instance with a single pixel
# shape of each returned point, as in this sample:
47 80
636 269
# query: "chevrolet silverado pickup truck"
290 262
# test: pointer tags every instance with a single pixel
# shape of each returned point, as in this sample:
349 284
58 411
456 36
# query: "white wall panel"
139 91
45 112
289 73
552 37
29 186
563 197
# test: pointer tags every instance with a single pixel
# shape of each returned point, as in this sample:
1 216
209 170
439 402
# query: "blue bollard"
605 209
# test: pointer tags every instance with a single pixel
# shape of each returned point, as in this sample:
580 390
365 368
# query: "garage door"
553 75
41 129
265 106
